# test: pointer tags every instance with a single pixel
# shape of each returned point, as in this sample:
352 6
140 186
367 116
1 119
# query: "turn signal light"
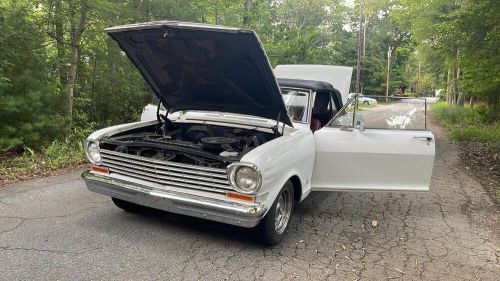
99 169
239 196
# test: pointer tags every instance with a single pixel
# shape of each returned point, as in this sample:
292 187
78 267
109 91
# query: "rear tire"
275 224
127 206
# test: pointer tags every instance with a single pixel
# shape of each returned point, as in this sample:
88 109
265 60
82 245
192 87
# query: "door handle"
424 138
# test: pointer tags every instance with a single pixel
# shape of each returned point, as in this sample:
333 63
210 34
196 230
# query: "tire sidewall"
266 228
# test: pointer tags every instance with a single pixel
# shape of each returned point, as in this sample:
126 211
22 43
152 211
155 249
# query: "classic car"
363 99
234 142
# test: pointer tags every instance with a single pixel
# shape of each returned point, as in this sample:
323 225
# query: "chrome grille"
166 172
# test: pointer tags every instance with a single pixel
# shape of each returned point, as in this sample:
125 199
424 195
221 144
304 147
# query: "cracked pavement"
54 229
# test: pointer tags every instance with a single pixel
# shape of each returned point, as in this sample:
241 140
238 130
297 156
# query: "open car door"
381 146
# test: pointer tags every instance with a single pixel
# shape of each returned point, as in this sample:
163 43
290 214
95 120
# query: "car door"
365 149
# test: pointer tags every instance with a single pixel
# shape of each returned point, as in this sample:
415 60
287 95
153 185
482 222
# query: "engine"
201 145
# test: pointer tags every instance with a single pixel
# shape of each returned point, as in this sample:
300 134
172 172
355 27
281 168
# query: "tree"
29 98
467 48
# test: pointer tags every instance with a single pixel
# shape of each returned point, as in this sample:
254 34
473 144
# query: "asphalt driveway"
54 229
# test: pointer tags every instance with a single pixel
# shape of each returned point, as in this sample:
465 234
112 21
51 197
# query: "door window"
380 112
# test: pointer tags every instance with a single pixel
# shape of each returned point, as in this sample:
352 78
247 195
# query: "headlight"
245 178
93 152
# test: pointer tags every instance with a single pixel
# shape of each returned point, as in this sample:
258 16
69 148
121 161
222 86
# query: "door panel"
373 160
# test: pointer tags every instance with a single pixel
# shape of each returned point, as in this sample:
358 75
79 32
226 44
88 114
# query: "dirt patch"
482 162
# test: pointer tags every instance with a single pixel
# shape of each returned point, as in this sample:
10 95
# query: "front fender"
113 130
280 159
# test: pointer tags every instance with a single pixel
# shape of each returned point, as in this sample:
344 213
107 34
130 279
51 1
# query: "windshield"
296 103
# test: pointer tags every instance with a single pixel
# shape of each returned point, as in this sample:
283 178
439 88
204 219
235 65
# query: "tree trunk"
448 87
247 5
494 103
358 62
460 98
59 38
76 35
471 102
417 91
454 87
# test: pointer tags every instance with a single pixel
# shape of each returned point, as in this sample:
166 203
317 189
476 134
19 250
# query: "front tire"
275 224
127 206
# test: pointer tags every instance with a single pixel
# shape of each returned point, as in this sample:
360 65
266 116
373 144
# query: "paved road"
54 229
403 114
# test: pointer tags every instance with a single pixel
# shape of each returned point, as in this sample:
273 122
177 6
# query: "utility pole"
364 54
364 40
389 54
358 64
418 81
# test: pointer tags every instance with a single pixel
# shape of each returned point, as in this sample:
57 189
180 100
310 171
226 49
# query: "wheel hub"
283 211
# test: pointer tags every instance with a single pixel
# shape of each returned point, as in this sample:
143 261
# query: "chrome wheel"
283 211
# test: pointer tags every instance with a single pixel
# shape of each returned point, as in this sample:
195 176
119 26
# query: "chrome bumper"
180 203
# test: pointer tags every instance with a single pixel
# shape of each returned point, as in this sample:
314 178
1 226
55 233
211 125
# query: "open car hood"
203 67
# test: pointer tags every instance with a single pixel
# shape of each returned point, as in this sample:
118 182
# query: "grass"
469 124
29 162
365 105
479 130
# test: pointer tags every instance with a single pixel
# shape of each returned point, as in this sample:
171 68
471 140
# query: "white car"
363 99
232 146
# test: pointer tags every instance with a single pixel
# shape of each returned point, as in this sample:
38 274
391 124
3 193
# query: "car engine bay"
195 144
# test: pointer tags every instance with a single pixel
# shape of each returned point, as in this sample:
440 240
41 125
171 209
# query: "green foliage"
29 99
456 35
61 153
410 94
35 51
479 134
58 154
469 124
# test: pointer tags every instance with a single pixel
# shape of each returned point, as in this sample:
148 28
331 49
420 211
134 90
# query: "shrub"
469 124
61 153
411 95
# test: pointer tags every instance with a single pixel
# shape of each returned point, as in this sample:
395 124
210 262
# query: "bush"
30 99
58 154
481 134
469 124
61 153
410 95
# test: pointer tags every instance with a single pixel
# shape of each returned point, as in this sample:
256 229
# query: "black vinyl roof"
309 84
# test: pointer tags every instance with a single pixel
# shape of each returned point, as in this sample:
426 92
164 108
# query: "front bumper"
175 202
